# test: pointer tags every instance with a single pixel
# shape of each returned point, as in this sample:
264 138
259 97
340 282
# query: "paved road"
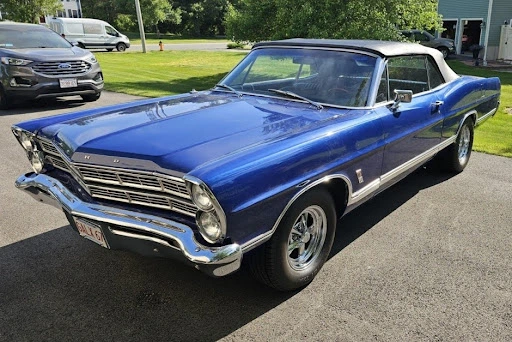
427 260
189 46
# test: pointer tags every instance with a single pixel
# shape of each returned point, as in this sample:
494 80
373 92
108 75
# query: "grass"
159 73
152 38
495 135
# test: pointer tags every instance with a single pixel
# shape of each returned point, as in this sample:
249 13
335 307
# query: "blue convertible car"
262 165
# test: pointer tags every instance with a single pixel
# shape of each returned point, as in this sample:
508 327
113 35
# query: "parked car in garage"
38 63
445 45
261 166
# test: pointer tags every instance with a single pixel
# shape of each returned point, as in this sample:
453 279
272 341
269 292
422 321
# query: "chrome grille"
134 179
53 155
57 69
128 186
143 198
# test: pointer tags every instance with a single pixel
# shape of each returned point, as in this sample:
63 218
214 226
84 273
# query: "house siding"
501 12
463 9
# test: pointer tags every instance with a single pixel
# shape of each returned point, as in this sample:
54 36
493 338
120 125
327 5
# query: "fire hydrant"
161 45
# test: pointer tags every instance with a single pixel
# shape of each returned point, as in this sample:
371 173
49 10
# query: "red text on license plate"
91 232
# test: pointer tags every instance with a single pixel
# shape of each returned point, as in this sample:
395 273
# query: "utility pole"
141 26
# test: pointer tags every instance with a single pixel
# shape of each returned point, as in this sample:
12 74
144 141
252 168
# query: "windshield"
31 38
329 77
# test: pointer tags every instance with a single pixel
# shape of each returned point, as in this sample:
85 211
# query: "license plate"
68 82
91 232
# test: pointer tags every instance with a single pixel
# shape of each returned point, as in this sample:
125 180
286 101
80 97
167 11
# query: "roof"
20 26
378 47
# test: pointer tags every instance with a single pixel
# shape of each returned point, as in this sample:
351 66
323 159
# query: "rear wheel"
121 47
455 157
300 245
91 98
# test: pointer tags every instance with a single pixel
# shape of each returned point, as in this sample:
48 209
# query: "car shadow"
56 286
362 219
35 106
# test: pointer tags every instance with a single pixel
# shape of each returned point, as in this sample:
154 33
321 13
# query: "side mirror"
404 96
75 44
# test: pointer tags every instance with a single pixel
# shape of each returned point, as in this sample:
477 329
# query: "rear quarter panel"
468 94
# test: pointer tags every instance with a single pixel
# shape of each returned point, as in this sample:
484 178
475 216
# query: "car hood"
45 54
183 132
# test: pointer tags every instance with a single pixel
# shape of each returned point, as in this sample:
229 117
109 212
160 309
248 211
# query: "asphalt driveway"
428 260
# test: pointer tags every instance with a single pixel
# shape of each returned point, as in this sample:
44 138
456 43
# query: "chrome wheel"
307 237
464 143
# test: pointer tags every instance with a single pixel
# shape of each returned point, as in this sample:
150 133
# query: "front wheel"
121 47
300 245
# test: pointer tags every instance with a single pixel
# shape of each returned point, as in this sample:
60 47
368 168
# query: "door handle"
435 106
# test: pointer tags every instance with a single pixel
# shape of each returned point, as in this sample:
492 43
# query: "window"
434 75
92 29
408 73
70 14
111 31
383 91
75 28
421 37
75 14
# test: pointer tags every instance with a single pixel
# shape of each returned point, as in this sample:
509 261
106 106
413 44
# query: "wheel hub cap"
307 237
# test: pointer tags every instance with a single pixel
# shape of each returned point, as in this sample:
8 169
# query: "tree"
255 20
29 11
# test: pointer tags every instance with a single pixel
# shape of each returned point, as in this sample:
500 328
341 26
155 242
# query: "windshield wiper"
297 96
225 86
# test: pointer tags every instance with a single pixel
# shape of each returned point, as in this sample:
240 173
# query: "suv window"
421 37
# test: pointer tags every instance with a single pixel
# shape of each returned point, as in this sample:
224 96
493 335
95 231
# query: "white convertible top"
378 47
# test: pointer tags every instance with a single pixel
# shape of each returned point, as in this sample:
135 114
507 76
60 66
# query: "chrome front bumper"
135 227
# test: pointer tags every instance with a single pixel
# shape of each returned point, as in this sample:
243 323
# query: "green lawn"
495 135
173 72
159 73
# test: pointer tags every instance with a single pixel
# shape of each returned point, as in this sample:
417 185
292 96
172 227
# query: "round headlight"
209 226
201 198
37 161
26 142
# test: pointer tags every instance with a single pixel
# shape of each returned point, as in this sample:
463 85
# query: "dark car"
261 166
445 45
37 63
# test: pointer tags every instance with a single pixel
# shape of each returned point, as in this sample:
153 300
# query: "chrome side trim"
256 241
361 194
485 116
364 192
218 261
